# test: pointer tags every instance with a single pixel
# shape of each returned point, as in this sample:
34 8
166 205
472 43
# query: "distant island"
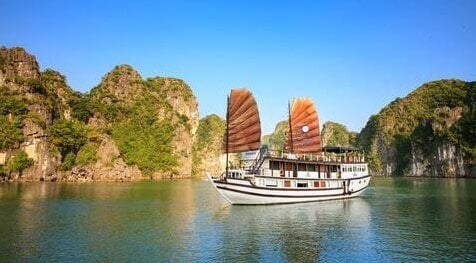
128 128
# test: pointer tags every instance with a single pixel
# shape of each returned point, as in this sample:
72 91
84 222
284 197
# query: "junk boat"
303 172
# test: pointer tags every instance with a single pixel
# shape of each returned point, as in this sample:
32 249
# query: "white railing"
321 157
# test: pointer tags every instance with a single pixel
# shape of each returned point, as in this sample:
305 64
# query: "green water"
175 221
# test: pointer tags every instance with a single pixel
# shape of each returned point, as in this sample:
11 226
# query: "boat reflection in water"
295 232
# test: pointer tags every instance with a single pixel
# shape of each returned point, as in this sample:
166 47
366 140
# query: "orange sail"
243 123
304 135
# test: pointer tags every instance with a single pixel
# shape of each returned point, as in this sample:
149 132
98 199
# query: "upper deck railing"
326 157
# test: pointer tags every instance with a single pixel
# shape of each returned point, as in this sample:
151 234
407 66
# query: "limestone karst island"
333 131
130 128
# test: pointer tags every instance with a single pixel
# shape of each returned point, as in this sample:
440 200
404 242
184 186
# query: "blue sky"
350 57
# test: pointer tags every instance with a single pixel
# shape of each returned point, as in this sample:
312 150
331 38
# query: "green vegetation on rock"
20 162
146 143
68 161
335 134
12 114
80 107
436 114
68 136
276 140
87 154
207 148
140 117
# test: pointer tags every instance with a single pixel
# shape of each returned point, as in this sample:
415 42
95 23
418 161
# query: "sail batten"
243 123
304 134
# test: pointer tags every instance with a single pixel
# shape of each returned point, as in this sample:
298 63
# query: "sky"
350 57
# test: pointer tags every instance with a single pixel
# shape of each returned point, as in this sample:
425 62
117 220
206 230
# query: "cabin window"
301 167
316 183
273 165
273 183
311 167
333 169
323 184
288 166
287 183
301 185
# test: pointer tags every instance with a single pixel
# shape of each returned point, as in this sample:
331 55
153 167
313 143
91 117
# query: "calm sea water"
395 220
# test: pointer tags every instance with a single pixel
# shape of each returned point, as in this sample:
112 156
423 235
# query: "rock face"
275 141
431 132
152 122
207 148
25 101
108 167
335 134
127 128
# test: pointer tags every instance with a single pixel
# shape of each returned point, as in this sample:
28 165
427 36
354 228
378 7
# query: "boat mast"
290 127
227 127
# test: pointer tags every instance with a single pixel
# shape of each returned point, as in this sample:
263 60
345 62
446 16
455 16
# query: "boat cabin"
295 168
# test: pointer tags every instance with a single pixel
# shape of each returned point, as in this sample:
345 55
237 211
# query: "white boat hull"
242 192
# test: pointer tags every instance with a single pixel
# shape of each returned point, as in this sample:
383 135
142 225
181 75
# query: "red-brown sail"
304 135
243 123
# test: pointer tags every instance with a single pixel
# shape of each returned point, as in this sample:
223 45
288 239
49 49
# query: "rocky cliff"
127 128
336 134
207 149
430 132
152 122
26 111
275 141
